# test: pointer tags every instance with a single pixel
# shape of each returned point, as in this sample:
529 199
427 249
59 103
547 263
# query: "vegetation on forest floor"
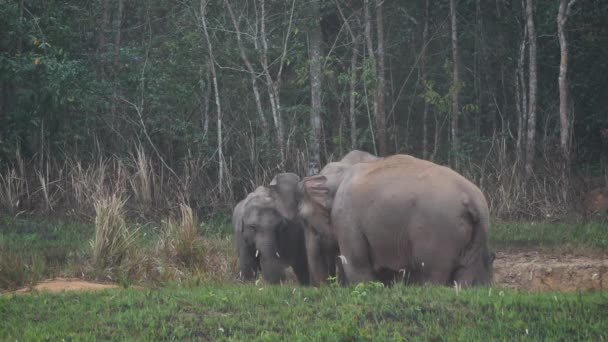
249 312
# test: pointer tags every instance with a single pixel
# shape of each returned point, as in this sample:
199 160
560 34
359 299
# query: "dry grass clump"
183 254
113 240
12 189
180 243
12 269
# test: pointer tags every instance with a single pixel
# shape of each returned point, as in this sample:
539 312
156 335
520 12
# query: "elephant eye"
253 227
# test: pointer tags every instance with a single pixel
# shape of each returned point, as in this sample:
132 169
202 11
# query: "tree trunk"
532 88
273 87
101 39
217 99
205 85
314 160
117 31
352 108
370 55
521 97
252 74
381 85
455 86
352 103
562 18
423 73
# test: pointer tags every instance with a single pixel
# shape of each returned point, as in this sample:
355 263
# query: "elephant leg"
316 260
356 259
340 272
300 268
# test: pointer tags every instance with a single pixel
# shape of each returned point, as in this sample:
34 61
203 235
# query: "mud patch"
66 284
546 271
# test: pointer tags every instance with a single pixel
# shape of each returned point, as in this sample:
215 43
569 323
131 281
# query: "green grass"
243 313
591 235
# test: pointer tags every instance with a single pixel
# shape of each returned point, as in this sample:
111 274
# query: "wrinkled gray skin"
402 218
269 235
321 246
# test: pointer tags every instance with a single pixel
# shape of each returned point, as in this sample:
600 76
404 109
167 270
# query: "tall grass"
153 189
113 240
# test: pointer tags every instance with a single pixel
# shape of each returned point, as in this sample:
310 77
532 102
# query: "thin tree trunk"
353 78
252 74
206 93
217 99
117 30
101 39
562 17
381 85
315 90
423 73
352 101
530 142
20 38
456 86
370 54
273 85
521 95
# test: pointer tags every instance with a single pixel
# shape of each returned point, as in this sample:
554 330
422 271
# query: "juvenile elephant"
402 218
269 236
322 248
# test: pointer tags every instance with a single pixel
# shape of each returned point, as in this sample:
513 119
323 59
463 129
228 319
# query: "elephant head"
264 230
315 197
316 193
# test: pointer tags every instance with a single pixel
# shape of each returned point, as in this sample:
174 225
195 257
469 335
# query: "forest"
199 102
130 130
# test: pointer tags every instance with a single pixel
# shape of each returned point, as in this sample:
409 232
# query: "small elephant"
269 236
322 248
402 218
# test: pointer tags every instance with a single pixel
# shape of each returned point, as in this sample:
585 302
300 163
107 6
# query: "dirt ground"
66 284
524 269
538 270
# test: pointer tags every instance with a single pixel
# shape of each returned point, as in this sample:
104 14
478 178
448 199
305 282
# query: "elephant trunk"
248 263
272 265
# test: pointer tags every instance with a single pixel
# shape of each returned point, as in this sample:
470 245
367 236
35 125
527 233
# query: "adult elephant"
269 236
321 247
405 218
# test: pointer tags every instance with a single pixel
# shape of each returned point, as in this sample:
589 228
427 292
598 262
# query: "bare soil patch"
542 270
67 284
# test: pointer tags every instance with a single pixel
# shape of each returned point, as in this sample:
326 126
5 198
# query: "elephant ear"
316 190
283 189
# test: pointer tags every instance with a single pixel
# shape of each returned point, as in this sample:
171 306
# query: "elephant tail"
475 266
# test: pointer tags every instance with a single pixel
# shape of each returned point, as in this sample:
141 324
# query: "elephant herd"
366 218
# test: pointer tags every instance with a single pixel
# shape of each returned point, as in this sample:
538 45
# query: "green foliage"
591 235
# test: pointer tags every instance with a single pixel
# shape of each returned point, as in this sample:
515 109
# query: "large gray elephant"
322 248
402 218
268 233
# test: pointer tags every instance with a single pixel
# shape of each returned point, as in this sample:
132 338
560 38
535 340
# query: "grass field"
202 308
249 312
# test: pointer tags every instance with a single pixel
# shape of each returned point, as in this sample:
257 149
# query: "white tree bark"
217 98
252 73
565 7
532 88
381 85
456 84
315 91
